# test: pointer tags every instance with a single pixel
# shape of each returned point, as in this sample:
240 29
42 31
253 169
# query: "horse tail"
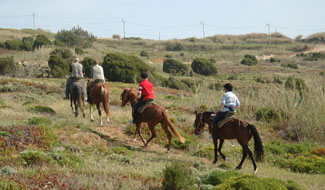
258 146
172 128
104 99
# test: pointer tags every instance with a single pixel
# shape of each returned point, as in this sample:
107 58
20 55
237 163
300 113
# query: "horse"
153 115
77 96
233 129
99 95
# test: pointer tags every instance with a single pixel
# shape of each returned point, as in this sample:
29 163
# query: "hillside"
51 149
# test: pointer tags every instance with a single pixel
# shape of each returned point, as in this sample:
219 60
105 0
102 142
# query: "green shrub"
6 171
269 114
174 67
59 62
218 177
121 158
205 152
143 53
313 56
122 151
272 60
79 51
39 121
174 46
303 164
290 65
42 109
31 157
252 182
203 67
9 184
75 37
249 60
177 176
40 41
125 68
87 63
14 45
8 66
175 83
295 83
66 159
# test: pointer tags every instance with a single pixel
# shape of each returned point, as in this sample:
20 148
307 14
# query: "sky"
167 19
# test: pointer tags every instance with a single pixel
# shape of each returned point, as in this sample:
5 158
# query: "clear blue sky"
170 18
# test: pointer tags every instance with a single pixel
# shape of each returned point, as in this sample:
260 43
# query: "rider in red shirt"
145 93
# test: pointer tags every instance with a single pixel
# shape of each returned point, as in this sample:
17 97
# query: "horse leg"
99 114
153 133
138 130
219 149
245 148
215 143
252 158
164 126
75 107
71 104
106 109
91 113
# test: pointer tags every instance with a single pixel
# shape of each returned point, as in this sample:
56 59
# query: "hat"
76 59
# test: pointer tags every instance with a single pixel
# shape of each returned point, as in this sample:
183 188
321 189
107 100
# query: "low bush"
121 158
8 184
316 56
9 67
31 157
144 53
203 67
59 62
303 164
42 109
290 65
218 177
122 151
125 68
205 152
41 41
295 83
178 175
39 121
249 60
174 46
174 67
175 83
270 115
272 60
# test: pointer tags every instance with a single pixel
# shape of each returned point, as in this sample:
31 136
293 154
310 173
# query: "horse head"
202 118
124 97
198 123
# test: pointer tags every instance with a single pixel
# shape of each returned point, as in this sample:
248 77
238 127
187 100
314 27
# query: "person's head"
95 62
228 87
76 60
144 75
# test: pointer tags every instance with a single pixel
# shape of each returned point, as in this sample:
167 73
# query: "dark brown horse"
233 129
99 95
77 96
153 115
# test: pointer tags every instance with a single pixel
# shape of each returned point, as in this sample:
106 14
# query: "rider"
145 93
77 72
229 102
97 76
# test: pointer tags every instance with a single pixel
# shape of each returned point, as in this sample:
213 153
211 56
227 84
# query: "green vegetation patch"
203 66
174 67
42 109
39 121
178 175
269 114
20 138
249 60
290 65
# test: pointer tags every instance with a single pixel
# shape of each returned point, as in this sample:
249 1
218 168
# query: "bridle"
200 125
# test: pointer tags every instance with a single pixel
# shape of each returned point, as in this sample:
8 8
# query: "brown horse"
99 95
153 115
77 96
233 129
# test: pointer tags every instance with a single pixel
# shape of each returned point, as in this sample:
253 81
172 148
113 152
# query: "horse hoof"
238 168
84 115
214 162
255 171
107 122
92 120
134 140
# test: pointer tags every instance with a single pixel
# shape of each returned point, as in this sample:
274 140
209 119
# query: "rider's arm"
139 91
91 73
219 108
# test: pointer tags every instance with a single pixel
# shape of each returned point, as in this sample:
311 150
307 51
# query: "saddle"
229 116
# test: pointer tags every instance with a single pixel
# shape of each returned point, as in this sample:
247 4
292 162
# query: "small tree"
249 60
75 37
87 62
8 66
79 51
174 67
203 67
41 40
59 62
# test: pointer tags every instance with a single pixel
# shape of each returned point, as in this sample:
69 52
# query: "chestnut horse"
233 129
153 115
99 95
77 96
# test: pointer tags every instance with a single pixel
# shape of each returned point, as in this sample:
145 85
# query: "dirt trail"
317 48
